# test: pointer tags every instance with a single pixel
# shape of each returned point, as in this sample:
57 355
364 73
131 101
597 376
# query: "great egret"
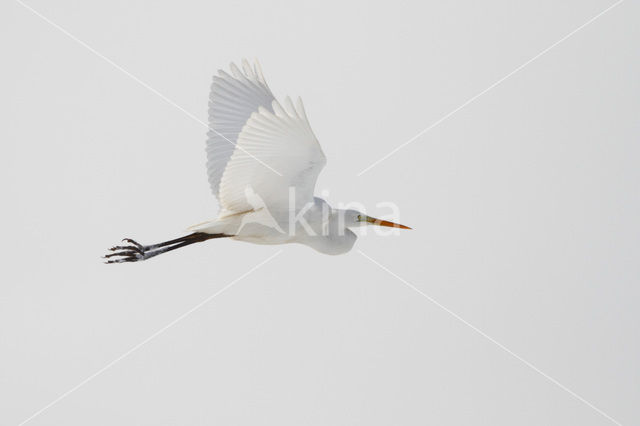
263 161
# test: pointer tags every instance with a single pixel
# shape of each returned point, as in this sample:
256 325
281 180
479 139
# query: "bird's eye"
359 218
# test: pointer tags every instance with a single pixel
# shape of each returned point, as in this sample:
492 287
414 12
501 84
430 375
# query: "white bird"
263 161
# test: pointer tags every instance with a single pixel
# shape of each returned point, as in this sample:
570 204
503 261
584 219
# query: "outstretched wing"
276 151
232 101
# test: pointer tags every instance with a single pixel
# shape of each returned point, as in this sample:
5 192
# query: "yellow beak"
381 222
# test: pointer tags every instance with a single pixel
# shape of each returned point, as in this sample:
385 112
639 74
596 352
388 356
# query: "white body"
318 227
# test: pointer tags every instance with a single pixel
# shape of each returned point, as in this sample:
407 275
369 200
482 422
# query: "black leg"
135 251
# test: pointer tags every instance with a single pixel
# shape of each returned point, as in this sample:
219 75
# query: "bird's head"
356 218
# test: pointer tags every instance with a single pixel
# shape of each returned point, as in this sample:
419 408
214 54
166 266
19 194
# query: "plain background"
525 206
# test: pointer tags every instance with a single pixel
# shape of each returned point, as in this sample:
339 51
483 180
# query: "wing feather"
232 100
280 138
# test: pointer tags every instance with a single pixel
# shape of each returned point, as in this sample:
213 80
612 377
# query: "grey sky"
524 206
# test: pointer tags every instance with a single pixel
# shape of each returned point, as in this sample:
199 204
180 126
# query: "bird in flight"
263 161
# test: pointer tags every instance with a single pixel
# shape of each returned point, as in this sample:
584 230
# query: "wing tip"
300 109
258 70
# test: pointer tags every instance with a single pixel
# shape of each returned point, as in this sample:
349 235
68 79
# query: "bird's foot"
133 252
